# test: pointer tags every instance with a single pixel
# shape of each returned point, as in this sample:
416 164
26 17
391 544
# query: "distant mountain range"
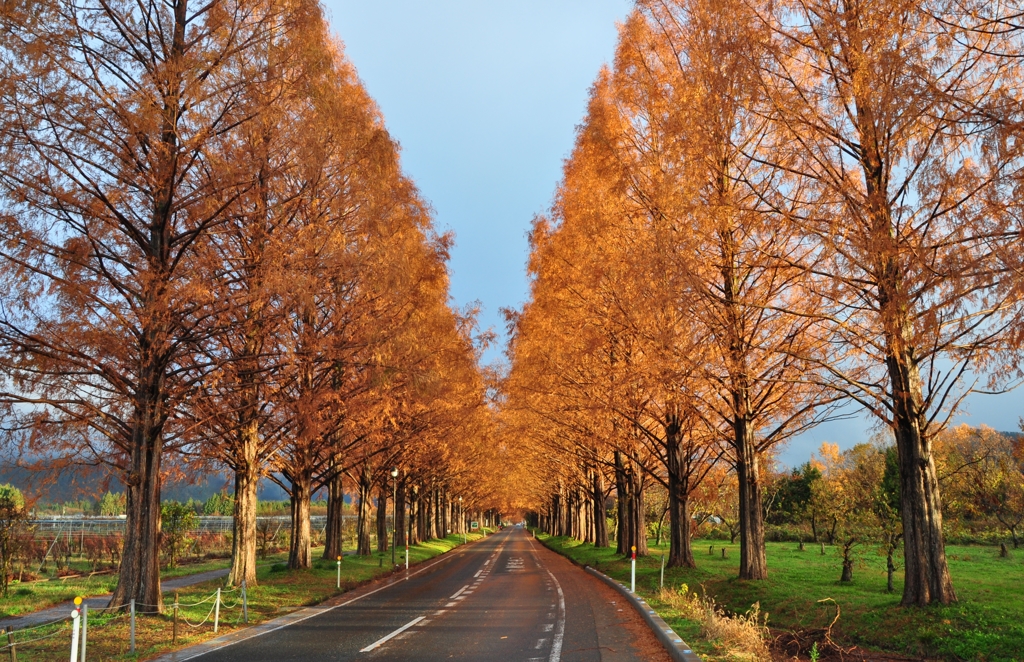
75 486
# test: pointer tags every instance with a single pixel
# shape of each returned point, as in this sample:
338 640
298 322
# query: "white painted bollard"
662 571
216 612
85 630
75 624
339 573
407 556
131 644
632 572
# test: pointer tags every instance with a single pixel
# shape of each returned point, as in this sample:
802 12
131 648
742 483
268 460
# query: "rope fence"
80 627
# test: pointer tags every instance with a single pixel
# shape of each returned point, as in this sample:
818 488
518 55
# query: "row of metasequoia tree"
774 211
210 259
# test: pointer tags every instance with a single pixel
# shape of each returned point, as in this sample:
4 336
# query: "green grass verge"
28 597
986 624
280 590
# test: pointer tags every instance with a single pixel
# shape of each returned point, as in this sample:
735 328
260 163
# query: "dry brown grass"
743 636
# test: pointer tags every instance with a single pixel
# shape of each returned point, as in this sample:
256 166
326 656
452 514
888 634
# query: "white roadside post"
75 623
407 556
632 572
339 573
662 571
216 612
85 629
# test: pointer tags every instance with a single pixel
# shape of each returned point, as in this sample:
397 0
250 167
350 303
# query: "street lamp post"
394 514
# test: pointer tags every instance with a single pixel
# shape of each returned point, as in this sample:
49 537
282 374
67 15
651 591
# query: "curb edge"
678 649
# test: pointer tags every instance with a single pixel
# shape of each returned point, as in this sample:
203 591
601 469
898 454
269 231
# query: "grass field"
24 598
987 624
280 591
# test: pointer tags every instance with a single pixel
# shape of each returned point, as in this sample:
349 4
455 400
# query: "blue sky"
484 98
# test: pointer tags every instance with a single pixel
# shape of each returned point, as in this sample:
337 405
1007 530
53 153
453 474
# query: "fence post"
131 640
85 629
245 604
174 632
75 624
13 648
216 612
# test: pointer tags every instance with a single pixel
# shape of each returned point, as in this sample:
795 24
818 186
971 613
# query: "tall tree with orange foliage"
116 178
307 125
895 117
690 144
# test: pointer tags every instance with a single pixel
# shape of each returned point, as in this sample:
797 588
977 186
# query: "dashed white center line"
478 573
394 634
459 592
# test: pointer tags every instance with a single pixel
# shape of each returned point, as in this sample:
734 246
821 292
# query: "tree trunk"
423 516
622 486
632 531
753 563
638 526
847 575
139 574
442 510
334 534
924 550
247 479
589 518
382 519
680 553
600 520
432 514
300 554
399 523
363 521
890 570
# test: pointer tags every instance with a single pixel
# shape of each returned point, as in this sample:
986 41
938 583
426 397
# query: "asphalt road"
505 598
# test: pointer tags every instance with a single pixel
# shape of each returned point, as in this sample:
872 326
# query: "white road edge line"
391 636
556 642
459 592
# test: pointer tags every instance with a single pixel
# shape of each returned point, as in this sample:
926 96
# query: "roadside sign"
474 525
